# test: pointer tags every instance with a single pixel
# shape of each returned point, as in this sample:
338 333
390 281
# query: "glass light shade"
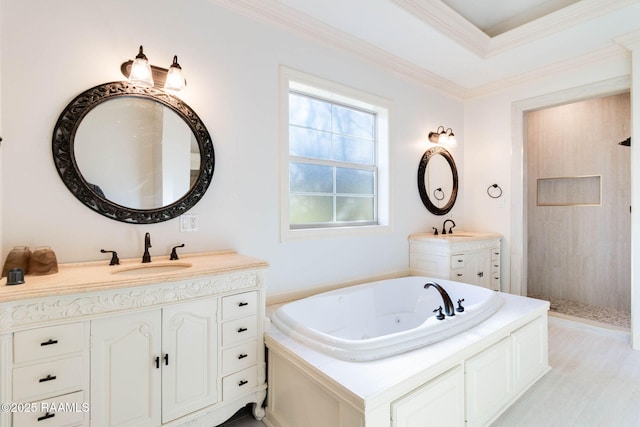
443 138
174 81
140 73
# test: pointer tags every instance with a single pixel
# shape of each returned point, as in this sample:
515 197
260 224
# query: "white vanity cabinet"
148 349
153 367
50 368
464 257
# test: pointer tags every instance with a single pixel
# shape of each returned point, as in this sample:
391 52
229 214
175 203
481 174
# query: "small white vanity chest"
166 343
468 257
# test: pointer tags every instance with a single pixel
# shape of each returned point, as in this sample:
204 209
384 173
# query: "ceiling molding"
612 53
440 16
275 13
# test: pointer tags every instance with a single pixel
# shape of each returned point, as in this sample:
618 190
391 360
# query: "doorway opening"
577 208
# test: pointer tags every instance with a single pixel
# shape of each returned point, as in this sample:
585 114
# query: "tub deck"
364 391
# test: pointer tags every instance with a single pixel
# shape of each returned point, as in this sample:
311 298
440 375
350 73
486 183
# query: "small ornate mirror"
438 180
133 154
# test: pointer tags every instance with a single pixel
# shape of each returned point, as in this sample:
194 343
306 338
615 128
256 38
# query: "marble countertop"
456 236
99 275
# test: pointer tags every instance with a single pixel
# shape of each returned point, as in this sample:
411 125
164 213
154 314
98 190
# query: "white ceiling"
443 43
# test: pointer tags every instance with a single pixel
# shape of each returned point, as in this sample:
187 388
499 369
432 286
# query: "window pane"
354 181
347 121
310 209
353 150
304 178
309 143
309 112
354 209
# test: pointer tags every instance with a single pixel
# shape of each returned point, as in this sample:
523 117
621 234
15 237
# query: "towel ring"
492 193
436 191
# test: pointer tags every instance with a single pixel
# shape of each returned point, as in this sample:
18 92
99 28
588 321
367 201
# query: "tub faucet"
444 226
147 244
448 304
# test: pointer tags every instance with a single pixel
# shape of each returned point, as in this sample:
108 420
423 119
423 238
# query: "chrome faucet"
448 304
147 244
444 226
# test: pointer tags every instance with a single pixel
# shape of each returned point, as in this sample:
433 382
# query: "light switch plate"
188 222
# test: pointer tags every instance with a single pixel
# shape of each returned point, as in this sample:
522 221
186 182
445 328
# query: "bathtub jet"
384 318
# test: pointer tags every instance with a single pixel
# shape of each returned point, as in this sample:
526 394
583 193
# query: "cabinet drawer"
48 414
495 281
47 379
457 274
495 254
238 357
457 261
239 305
41 343
236 384
239 330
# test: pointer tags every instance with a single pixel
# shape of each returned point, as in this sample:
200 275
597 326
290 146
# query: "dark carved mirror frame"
65 161
421 185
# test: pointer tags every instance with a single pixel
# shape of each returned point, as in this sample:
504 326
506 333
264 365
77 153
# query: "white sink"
151 268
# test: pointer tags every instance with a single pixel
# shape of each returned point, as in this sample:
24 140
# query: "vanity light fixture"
442 136
175 81
140 72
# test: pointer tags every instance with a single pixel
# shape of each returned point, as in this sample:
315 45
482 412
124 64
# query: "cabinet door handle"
242 356
242 330
242 304
157 362
50 342
243 382
48 378
481 274
46 416
166 359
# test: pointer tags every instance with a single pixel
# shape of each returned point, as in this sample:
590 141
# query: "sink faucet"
444 228
147 244
448 304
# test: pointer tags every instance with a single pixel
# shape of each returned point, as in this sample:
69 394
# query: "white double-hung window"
335 157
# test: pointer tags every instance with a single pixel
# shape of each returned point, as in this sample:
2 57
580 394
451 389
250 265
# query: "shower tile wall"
581 253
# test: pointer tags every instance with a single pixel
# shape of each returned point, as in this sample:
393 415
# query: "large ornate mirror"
133 154
438 180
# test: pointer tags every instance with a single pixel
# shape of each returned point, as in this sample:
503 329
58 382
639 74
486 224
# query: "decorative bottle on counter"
43 261
19 257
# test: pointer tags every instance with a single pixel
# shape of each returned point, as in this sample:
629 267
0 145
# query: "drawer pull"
496 265
243 382
242 356
242 330
46 416
242 304
459 274
48 378
460 260
50 342
496 253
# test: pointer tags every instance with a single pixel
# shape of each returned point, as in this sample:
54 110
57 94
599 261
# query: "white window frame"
334 92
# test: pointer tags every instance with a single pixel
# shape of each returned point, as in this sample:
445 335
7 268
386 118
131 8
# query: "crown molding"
275 13
608 54
443 18
630 41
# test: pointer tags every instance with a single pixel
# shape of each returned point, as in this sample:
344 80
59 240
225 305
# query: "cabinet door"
477 268
530 352
125 382
189 359
440 403
488 382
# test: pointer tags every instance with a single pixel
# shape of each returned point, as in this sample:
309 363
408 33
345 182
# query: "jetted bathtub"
380 319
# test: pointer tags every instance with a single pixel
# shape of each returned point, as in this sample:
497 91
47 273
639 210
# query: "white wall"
53 50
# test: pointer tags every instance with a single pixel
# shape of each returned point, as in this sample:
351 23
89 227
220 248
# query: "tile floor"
607 316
